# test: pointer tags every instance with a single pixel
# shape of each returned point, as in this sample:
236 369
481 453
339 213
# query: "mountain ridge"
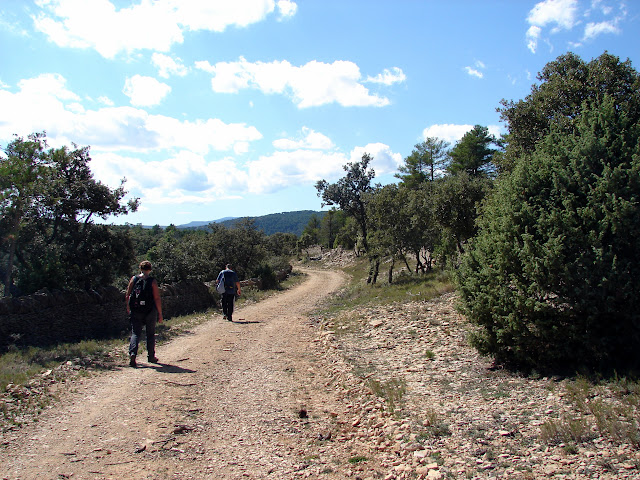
284 222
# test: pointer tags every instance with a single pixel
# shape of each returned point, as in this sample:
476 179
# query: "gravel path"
229 400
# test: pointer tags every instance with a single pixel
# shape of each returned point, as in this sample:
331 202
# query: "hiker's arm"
128 294
238 288
156 298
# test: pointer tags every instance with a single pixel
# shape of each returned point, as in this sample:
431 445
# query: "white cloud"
311 140
104 100
560 13
533 35
167 66
148 25
44 103
453 133
388 77
145 91
282 169
287 8
310 85
473 72
477 71
185 177
592 30
98 25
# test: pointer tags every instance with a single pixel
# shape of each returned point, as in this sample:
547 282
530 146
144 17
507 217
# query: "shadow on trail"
166 368
245 322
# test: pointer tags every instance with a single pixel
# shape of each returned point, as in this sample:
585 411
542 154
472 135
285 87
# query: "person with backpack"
229 279
144 307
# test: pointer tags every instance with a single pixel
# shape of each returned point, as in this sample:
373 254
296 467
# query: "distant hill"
204 224
287 222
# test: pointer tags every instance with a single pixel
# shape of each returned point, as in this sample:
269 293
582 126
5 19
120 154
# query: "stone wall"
48 318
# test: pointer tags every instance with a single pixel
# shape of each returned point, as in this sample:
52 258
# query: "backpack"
141 298
226 283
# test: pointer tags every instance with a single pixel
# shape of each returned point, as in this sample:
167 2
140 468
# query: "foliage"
552 277
473 154
48 200
565 84
427 160
195 254
456 201
349 192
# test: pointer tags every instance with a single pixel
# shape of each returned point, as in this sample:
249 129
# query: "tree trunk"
7 277
393 261
374 268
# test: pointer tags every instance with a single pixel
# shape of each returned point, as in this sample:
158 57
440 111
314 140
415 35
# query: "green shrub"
267 277
552 278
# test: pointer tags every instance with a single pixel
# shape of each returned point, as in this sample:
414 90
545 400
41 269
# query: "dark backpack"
227 278
141 298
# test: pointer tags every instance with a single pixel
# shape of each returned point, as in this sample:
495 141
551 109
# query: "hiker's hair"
145 265
229 266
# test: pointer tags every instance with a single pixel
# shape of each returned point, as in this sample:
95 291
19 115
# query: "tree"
387 213
423 230
20 174
426 160
312 229
48 203
349 192
552 277
473 153
565 84
456 202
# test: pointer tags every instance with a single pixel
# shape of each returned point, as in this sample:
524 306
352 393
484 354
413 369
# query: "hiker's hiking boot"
153 359
132 361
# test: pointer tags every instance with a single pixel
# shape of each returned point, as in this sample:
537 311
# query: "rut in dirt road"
224 402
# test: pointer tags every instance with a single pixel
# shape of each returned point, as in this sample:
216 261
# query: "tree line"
540 227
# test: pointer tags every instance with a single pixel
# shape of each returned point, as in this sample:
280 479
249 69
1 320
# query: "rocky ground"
456 416
390 392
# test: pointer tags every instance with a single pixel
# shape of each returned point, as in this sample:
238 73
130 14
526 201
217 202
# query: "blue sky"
212 109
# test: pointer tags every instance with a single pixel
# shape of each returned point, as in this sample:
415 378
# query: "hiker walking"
231 283
144 307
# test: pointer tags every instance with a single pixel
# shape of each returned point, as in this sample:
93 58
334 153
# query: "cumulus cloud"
145 91
282 169
168 66
45 103
310 140
186 177
310 85
156 25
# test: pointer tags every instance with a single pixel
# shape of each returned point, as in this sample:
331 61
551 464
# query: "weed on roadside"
604 408
392 390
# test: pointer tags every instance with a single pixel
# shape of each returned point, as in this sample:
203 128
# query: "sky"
213 109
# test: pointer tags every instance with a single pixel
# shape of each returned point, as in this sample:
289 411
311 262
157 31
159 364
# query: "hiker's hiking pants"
138 320
227 304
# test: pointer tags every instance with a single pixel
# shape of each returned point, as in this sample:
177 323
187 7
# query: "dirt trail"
226 401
